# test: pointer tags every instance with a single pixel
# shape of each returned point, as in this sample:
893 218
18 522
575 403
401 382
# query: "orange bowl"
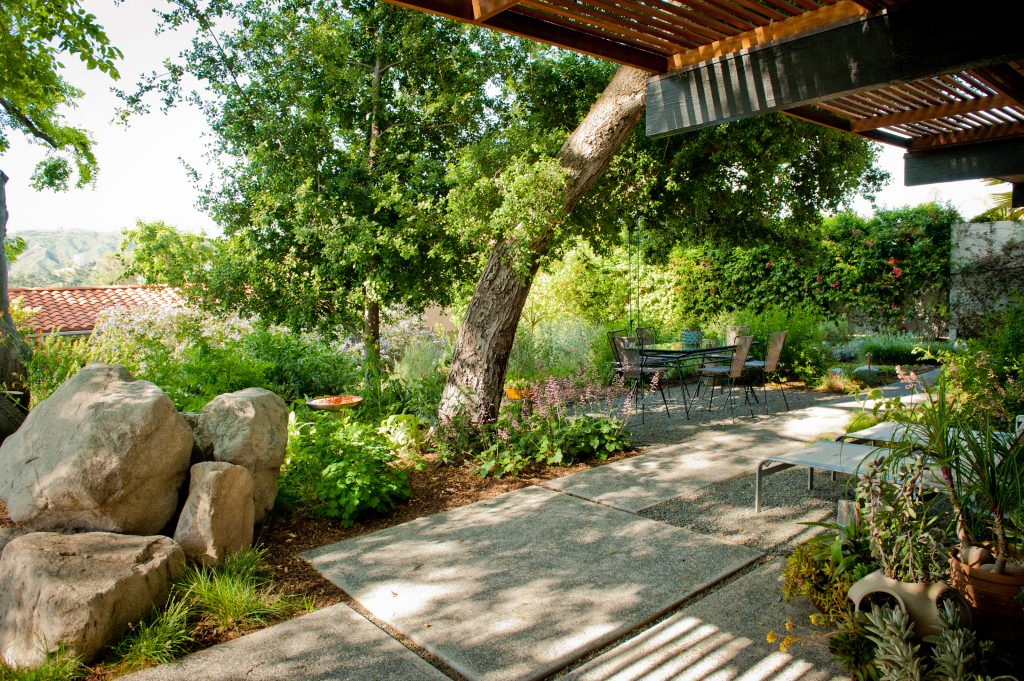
335 402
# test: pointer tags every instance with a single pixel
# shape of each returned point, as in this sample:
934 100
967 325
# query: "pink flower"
868 242
818 278
835 284
897 272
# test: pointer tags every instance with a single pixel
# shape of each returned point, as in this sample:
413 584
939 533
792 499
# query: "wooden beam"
802 23
968 162
1004 78
485 9
985 133
927 113
918 39
837 122
518 22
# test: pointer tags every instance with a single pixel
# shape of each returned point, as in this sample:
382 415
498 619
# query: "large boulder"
104 452
7 535
79 590
247 428
217 519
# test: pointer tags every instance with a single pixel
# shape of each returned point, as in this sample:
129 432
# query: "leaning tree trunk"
13 350
482 349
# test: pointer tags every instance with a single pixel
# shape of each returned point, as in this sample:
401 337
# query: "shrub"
804 355
541 430
558 348
900 348
340 467
1004 338
303 364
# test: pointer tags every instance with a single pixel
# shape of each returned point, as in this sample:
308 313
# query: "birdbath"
335 403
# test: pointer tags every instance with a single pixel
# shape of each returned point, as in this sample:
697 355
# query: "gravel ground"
654 428
726 509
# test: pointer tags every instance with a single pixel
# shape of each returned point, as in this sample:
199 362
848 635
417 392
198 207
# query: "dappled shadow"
518 586
716 640
726 509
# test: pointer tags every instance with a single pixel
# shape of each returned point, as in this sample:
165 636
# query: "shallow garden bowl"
335 403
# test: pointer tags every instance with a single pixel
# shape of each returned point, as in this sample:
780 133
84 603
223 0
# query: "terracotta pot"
920 600
993 599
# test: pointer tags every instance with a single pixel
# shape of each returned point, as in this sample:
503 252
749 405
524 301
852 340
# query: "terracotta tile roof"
74 308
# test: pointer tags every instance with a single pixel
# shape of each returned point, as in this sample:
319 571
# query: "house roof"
75 308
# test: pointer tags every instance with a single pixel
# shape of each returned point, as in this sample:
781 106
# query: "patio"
672 575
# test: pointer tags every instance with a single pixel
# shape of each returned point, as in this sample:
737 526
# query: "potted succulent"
906 539
982 473
985 478
517 388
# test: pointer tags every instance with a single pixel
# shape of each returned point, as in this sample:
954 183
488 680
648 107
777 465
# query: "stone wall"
987 265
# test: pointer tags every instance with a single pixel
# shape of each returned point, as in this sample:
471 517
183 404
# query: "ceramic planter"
920 600
992 598
692 339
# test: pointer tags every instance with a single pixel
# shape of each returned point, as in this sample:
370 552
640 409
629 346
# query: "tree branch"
27 122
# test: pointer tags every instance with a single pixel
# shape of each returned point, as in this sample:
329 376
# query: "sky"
141 171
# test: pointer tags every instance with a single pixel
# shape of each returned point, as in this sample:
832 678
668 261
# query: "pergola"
944 79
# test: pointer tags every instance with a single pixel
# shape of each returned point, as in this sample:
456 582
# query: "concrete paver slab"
642 481
720 637
333 643
517 586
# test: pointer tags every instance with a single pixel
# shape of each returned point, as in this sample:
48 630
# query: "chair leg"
664 401
784 400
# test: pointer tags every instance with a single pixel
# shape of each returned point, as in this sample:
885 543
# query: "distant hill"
67 258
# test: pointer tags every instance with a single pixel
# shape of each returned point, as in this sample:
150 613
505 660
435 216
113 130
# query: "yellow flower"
789 624
786 642
772 637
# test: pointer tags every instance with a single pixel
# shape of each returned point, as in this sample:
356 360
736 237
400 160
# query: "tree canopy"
34 36
333 124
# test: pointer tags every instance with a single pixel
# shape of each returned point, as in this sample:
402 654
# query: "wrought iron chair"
635 367
728 374
769 365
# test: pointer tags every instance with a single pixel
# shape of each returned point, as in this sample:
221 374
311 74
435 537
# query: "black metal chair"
639 369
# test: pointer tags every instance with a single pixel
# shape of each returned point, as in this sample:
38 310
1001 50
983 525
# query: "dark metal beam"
967 162
1017 199
918 39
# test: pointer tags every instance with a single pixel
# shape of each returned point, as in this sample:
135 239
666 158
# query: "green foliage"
339 468
162 638
13 247
158 253
302 364
804 355
908 539
1003 338
519 443
901 348
54 360
58 666
35 35
335 123
823 569
557 348
896 654
853 650
957 653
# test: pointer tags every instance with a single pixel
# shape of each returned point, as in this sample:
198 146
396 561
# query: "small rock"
865 370
976 555
217 520
79 590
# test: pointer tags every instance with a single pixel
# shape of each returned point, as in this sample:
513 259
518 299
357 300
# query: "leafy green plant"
340 467
853 650
541 429
804 355
896 654
303 364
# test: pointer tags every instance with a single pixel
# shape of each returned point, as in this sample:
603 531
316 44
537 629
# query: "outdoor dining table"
683 359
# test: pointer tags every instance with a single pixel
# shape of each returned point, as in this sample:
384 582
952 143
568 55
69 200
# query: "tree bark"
477 375
14 352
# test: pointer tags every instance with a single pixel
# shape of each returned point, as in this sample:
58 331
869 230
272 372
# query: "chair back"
739 356
646 336
1019 428
775 343
734 332
613 340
